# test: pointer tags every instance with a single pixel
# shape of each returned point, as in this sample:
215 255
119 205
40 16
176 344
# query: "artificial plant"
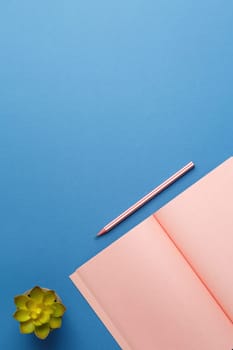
39 311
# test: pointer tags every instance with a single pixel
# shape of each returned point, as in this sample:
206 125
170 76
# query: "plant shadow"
58 339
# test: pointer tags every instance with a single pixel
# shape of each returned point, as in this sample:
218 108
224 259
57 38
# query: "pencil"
146 198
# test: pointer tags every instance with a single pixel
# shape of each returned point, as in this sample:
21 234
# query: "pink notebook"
168 283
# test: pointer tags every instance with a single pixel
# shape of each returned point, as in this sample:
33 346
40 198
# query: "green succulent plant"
39 310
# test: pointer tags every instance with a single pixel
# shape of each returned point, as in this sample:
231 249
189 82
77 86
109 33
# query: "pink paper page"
148 296
200 221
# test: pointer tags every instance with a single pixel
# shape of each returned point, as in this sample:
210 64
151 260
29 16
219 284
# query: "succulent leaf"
44 317
27 327
49 297
55 322
42 331
20 301
59 309
31 304
37 294
22 315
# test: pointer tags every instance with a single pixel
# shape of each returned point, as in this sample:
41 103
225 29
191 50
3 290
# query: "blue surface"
99 102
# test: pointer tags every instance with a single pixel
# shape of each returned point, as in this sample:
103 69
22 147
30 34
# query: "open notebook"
168 283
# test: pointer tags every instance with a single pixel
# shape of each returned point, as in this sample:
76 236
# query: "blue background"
99 102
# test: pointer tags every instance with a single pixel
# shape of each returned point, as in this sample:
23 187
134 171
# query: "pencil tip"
101 232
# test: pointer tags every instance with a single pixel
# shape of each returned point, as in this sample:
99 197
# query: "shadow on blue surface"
60 337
